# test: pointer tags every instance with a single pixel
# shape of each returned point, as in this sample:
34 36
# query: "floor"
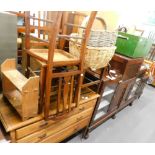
132 124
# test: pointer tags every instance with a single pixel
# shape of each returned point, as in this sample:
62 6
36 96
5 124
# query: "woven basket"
102 38
99 37
95 57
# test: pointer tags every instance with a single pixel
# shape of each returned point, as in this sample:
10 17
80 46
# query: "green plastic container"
132 46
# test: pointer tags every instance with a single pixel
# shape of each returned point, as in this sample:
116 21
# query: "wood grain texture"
21 92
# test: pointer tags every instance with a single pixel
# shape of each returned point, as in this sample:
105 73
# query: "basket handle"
102 21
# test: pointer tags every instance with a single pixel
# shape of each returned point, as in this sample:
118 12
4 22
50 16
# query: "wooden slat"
37 44
66 91
62 74
44 20
38 24
75 25
59 95
90 84
44 14
71 92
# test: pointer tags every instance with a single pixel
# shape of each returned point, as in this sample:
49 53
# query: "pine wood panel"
52 129
59 136
84 109
12 121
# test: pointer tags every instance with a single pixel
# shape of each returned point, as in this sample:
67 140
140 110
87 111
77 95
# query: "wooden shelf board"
16 78
10 118
99 114
103 104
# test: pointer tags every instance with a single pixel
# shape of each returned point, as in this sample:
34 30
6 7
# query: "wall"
110 17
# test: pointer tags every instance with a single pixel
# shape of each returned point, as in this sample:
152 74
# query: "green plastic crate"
132 46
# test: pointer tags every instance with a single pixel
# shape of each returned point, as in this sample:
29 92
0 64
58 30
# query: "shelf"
16 78
103 104
108 91
15 98
99 114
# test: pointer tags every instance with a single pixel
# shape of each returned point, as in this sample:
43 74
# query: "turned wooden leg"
42 87
113 117
131 104
85 134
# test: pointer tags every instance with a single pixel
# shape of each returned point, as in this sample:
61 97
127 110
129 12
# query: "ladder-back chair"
60 67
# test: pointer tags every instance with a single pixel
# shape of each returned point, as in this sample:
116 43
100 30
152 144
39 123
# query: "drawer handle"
82 109
79 118
42 136
43 124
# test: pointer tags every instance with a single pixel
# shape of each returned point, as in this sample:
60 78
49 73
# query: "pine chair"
60 67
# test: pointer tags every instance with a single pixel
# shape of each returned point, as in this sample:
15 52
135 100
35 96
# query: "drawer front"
22 132
33 138
63 134
56 127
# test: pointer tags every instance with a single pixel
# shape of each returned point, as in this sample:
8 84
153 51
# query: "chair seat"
61 57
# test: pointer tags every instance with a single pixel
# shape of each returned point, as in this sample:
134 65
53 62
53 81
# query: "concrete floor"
132 124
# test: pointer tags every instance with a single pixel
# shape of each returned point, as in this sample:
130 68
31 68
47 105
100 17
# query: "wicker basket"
98 37
95 57
102 38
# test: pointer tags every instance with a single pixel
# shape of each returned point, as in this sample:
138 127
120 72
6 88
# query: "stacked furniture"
57 96
65 106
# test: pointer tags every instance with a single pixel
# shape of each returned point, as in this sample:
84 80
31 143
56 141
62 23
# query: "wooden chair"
57 64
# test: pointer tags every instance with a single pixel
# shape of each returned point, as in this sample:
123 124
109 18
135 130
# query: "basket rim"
97 48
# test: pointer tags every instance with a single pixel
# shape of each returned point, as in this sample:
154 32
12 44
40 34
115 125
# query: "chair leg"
114 116
78 90
42 87
27 73
85 134
131 104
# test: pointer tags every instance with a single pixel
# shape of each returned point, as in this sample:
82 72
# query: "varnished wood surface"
66 132
54 128
21 92
12 121
60 57
128 67
16 78
21 29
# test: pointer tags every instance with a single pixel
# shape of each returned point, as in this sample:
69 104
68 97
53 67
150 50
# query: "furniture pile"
61 90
